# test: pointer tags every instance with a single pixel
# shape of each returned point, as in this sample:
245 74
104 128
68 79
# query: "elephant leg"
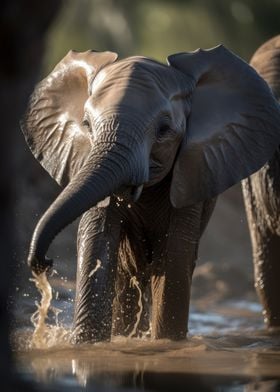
267 275
131 312
171 295
131 304
262 208
173 268
98 241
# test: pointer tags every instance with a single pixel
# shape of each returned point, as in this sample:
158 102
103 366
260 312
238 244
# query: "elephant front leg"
173 269
98 240
132 300
131 305
171 286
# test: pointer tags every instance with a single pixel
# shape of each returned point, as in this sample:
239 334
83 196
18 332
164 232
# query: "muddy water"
227 350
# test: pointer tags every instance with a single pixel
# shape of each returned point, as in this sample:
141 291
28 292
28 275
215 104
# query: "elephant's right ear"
233 127
52 125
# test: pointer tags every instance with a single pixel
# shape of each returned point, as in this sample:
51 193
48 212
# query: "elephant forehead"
135 75
117 116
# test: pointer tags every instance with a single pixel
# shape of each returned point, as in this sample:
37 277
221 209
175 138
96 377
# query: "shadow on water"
227 351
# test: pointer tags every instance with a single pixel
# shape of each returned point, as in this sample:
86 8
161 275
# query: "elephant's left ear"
233 127
52 124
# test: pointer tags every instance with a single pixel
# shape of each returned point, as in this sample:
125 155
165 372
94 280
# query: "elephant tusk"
136 192
104 203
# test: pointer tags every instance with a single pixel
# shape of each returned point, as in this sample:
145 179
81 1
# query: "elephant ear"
233 127
53 122
266 62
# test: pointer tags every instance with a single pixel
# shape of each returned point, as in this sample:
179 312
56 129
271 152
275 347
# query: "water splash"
134 283
46 335
98 265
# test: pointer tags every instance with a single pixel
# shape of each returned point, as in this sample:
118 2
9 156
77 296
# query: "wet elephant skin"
262 201
142 149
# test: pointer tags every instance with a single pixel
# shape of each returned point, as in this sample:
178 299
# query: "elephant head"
101 126
266 62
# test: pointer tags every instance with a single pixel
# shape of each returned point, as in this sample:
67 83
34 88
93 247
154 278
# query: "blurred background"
155 29
158 28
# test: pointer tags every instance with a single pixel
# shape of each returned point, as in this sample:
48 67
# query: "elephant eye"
85 123
162 131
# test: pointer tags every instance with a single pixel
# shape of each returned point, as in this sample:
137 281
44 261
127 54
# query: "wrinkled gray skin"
262 200
143 149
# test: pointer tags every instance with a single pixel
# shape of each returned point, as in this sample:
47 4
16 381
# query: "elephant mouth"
136 192
155 168
156 174
131 193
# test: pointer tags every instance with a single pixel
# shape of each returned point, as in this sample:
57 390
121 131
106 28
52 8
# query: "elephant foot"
272 321
170 335
274 331
267 272
269 296
89 334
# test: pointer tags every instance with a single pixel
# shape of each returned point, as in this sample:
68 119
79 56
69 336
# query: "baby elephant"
142 149
262 200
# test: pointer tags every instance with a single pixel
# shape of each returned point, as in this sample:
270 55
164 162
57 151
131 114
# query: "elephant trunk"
105 172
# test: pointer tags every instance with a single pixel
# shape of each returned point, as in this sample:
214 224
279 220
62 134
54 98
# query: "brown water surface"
227 350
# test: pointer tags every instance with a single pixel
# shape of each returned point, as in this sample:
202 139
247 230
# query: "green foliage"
160 27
